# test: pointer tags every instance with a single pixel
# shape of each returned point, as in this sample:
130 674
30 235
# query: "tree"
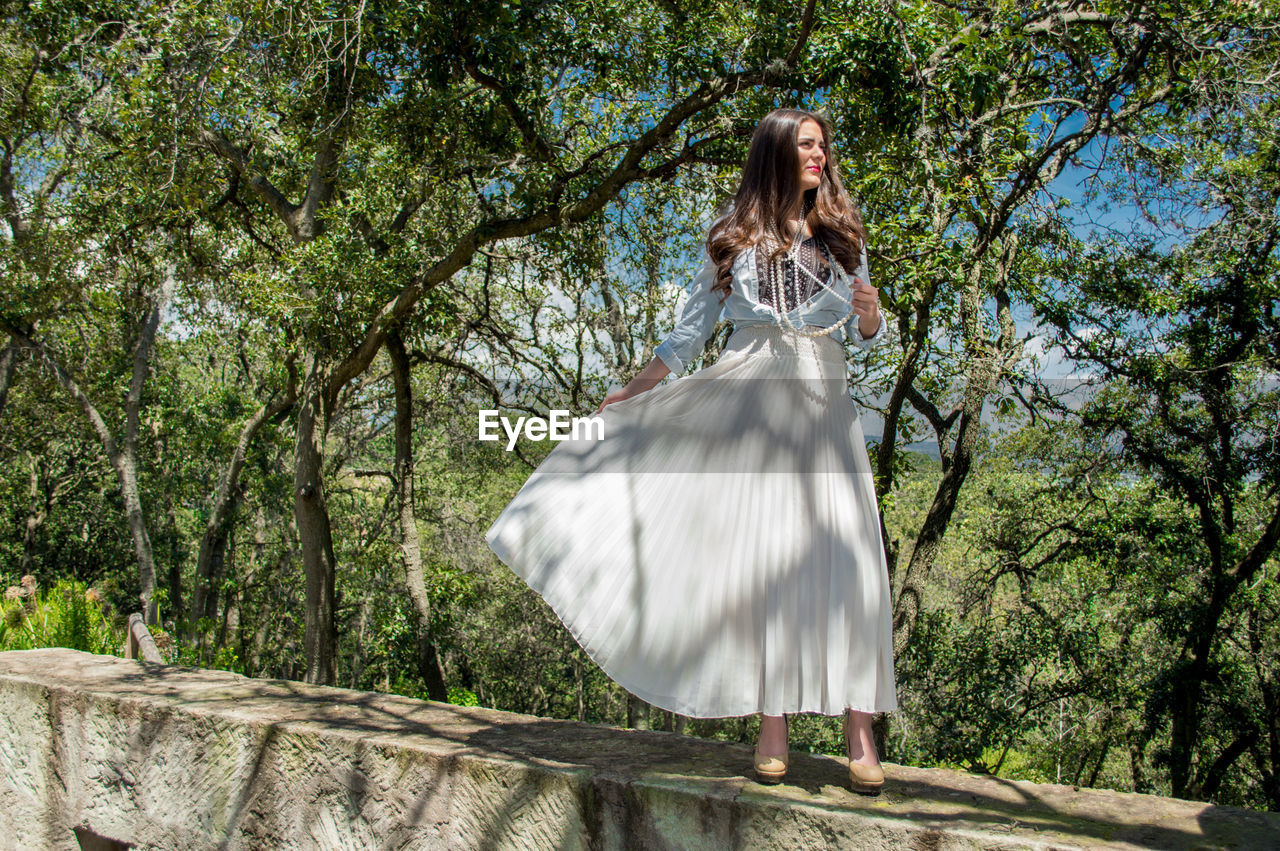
1179 322
487 143
960 121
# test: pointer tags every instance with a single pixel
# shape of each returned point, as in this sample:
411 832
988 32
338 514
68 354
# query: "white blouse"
817 305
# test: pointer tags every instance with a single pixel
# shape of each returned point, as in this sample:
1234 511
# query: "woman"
718 551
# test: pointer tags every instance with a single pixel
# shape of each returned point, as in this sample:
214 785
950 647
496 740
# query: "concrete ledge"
157 756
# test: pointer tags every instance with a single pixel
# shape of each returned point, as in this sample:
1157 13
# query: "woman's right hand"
654 372
616 396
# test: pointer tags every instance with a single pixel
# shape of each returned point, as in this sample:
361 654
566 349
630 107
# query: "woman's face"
812 150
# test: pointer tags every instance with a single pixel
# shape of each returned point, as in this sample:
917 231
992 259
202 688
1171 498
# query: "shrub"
70 614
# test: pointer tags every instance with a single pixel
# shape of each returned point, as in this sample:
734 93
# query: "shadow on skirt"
717 552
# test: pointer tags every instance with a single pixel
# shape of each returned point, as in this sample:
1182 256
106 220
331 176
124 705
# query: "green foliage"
70 614
459 696
1087 550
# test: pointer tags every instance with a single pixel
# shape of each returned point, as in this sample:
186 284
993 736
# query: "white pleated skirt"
717 552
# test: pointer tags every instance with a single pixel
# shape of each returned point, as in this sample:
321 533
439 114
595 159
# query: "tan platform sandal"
770 769
863 778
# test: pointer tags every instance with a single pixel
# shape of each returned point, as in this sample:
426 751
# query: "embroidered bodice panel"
801 280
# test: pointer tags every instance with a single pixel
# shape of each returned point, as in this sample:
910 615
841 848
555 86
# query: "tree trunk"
229 605
37 511
430 670
880 734
1137 758
1195 773
1188 692
410 543
1092 782
213 547
126 465
579 679
1268 762
204 603
929 541
637 713
213 543
888 448
126 461
174 579
984 364
357 658
8 362
123 456
252 642
315 535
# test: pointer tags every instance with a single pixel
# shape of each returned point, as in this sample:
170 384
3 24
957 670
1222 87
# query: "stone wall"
133 754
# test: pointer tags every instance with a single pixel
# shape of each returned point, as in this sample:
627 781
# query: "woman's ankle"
773 735
860 744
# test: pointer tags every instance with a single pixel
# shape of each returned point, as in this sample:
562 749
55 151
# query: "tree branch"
239 161
627 170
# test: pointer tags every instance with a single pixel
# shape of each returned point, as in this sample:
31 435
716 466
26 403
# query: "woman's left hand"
866 303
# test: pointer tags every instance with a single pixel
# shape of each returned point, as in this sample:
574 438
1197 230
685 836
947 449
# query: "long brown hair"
767 197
